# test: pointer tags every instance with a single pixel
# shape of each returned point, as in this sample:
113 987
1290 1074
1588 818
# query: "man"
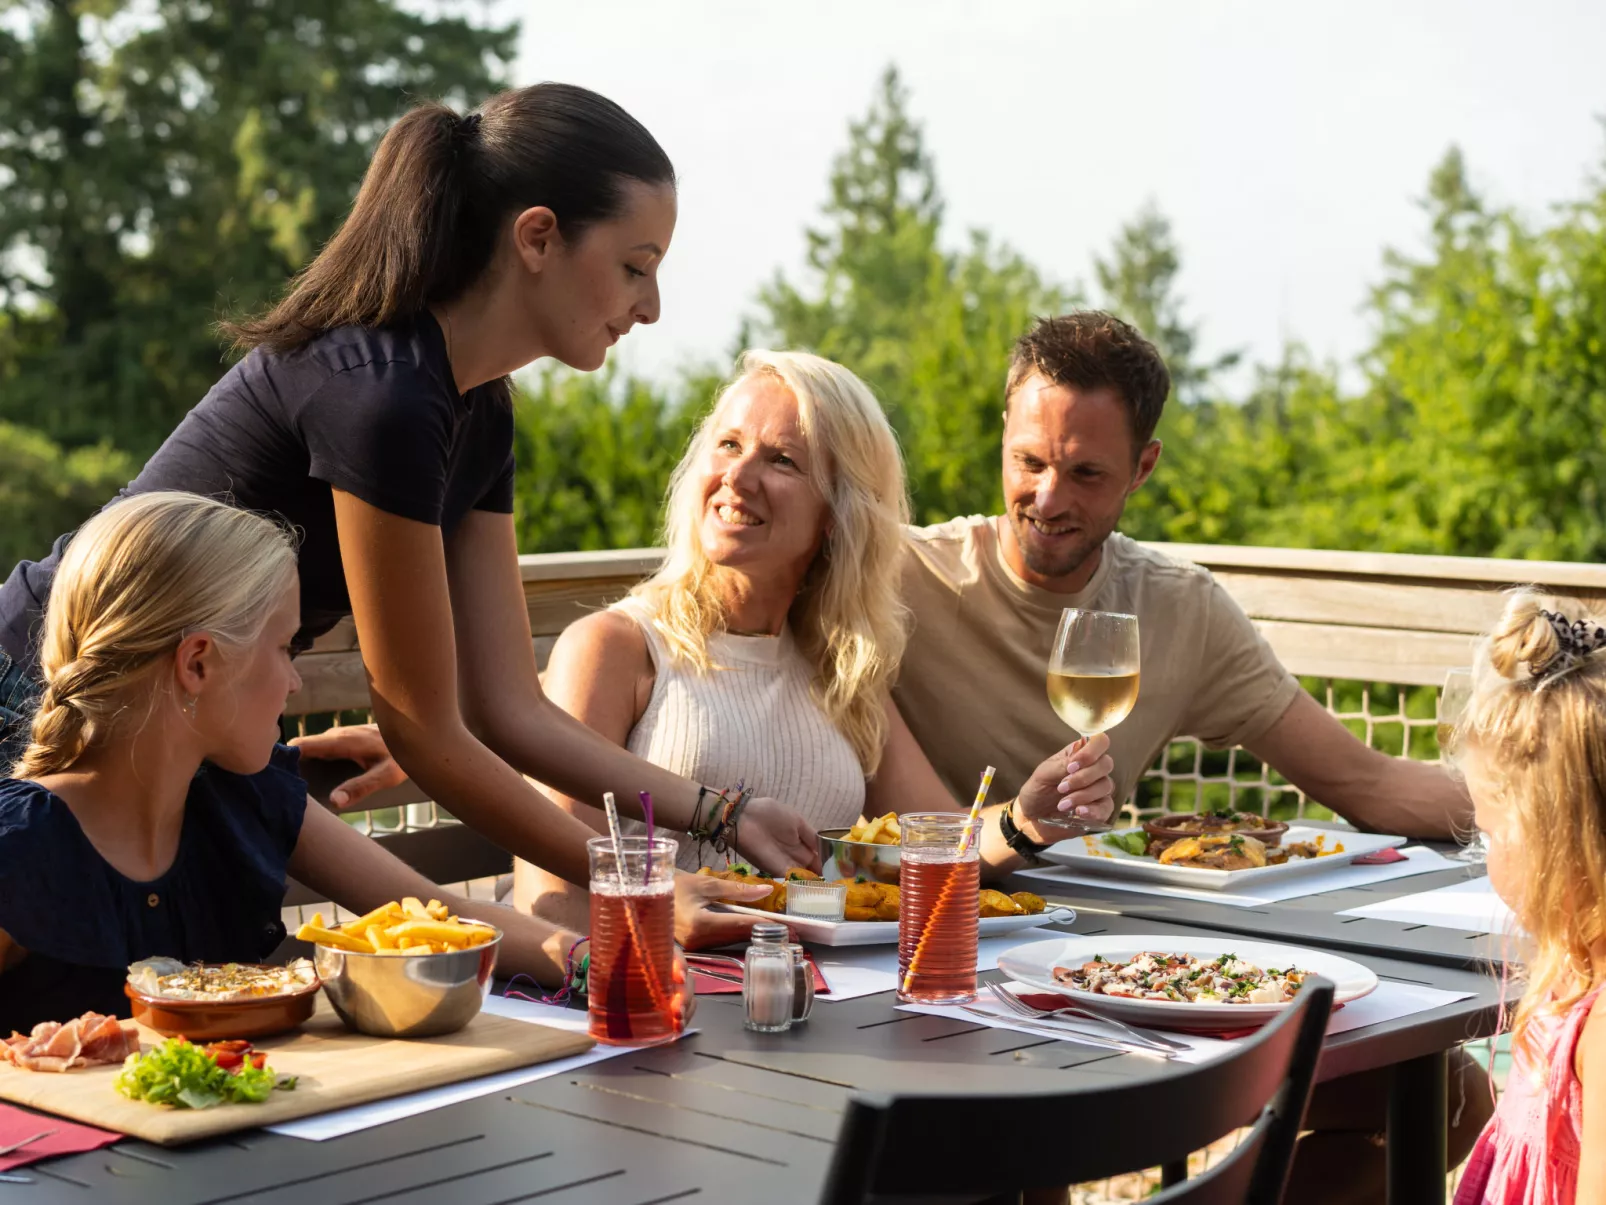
1083 398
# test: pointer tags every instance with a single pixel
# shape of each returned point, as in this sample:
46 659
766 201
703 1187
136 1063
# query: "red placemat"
707 985
69 1138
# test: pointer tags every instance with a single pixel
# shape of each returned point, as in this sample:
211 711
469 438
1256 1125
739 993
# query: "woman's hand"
697 927
362 744
775 838
1073 784
685 991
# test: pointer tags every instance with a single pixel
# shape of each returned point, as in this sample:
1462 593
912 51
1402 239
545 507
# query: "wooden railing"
1368 617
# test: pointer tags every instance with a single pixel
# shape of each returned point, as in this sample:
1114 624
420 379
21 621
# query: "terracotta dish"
213 1020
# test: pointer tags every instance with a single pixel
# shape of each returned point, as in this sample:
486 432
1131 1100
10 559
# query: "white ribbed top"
752 718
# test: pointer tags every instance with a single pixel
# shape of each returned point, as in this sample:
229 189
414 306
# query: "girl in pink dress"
1533 747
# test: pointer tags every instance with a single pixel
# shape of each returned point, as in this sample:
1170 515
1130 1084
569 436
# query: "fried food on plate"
1228 852
1030 904
996 903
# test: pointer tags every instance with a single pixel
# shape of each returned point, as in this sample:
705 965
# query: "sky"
1288 143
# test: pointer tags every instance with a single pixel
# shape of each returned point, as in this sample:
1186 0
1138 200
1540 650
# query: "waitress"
373 411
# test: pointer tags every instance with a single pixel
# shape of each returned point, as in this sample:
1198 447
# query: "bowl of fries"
871 849
405 970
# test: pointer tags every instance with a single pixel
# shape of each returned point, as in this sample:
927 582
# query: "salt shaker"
802 985
768 981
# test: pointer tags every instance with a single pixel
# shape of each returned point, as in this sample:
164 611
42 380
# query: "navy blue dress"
83 923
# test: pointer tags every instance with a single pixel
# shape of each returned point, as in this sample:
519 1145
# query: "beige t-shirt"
973 682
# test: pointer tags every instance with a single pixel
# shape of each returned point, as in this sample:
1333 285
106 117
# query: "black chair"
990 1148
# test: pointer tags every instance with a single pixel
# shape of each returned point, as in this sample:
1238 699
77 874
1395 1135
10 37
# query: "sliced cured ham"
82 1042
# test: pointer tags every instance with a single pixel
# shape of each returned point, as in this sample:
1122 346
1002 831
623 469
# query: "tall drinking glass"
1093 674
939 884
1453 700
630 987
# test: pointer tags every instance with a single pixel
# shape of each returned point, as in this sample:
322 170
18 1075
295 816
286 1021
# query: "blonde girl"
1533 747
153 811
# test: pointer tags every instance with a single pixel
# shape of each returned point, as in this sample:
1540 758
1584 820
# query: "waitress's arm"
410 624
505 705
356 872
396 575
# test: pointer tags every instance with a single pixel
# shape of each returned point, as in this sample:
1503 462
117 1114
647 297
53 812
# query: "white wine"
1092 703
1445 732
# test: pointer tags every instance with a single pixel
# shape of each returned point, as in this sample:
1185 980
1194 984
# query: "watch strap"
1013 837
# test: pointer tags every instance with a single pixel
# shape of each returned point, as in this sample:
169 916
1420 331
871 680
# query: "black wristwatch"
1013 837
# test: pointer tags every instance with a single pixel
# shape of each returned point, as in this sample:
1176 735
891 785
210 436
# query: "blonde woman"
764 649
153 812
1533 747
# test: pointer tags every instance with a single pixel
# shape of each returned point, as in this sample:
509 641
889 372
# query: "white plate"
1034 964
877 932
1090 855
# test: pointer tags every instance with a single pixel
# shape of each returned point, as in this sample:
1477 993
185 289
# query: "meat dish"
85 1041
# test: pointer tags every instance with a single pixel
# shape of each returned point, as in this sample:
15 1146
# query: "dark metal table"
724 1115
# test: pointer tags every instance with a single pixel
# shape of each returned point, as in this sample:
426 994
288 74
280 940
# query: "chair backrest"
953 1145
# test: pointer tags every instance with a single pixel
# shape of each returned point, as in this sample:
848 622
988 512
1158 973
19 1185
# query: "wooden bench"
1339 616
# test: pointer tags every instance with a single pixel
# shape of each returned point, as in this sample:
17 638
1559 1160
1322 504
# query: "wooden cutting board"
336 1069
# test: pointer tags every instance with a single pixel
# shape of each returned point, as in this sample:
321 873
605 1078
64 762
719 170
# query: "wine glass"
1453 700
1092 680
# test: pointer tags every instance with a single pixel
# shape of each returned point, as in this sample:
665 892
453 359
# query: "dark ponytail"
426 219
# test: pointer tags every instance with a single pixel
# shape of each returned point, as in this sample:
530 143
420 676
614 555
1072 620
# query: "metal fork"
1020 1008
1076 1035
17 1146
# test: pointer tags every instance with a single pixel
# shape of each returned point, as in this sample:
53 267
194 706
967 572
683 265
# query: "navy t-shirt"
83 922
374 412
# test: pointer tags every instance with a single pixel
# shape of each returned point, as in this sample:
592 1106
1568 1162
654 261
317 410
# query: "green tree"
1138 279
929 329
45 491
163 162
594 454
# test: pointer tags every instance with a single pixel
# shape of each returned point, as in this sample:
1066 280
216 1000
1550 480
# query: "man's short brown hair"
1089 349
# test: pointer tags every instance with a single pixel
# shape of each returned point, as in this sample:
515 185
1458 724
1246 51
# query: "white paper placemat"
1472 905
362 1117
1389 1002
1419 860
853 971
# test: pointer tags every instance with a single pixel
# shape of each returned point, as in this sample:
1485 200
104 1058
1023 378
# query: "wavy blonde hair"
136 580
1539 725
848 619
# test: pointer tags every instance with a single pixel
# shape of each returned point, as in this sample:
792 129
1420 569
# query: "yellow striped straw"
975 808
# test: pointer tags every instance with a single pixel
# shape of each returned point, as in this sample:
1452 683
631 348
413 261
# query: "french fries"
883 830
408 927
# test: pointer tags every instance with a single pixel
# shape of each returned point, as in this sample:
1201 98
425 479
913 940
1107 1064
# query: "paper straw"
612 809
948 887
975 808
646 809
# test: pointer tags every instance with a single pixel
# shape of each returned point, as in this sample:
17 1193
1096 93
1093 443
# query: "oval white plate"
1034 964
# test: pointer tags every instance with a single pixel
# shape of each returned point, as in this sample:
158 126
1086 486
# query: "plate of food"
1205 983
1223 851
871 914
208 1000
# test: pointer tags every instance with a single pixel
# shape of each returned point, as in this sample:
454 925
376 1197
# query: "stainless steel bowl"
408 995
844 859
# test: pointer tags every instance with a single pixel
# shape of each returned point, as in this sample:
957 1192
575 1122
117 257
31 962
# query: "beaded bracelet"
574 979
